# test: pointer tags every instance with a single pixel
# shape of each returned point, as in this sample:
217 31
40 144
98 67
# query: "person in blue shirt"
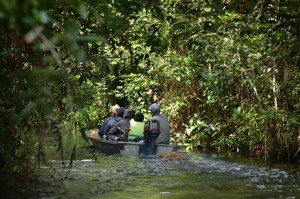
115 118
112 112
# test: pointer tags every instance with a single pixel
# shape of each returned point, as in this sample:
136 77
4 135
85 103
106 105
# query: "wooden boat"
126 148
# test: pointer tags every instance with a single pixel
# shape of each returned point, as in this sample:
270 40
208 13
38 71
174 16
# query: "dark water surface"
191 175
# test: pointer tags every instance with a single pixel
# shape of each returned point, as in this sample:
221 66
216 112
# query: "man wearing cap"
164 128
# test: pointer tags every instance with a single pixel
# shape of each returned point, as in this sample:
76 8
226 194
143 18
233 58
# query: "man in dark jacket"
120 130
112 112
115 118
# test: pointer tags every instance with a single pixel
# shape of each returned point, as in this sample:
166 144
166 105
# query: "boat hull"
127 148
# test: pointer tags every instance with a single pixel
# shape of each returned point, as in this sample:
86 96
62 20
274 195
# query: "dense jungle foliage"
225 72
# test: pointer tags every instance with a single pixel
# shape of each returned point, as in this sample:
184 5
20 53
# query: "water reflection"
95 175
185 177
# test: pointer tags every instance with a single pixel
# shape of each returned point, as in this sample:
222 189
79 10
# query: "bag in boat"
151 128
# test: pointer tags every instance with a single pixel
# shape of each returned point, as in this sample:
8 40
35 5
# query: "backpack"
151 133
152 127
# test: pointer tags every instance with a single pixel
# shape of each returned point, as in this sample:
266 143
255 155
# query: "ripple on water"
183 177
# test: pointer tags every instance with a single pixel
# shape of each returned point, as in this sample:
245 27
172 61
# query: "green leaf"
28 110
83 11
207 9
79 55
71 29
238 110
44 18
2 15
87 38
45 92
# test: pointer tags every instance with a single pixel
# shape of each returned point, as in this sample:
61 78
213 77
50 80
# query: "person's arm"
109 126
102 126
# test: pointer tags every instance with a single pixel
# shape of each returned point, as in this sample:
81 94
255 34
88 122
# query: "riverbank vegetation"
226 73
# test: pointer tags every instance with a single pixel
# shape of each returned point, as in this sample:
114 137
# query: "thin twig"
50 47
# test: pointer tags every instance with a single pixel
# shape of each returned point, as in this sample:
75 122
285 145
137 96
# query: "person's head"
120 111
113 109
154 108
129 113
139 117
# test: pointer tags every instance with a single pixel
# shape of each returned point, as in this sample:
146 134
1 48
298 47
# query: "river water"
191 175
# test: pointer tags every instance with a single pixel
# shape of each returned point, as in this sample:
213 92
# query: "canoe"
126 148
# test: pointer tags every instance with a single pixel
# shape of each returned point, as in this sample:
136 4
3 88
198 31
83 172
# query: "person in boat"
120 130
115 118
161 123
136 128
111 113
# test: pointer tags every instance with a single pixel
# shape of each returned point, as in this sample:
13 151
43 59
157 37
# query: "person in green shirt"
136 128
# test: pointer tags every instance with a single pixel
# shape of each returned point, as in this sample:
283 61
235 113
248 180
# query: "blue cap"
154 108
